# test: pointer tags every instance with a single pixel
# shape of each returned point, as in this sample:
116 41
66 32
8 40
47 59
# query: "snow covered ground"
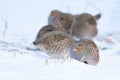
20 20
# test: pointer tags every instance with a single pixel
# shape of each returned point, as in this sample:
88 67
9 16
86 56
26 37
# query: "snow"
24 19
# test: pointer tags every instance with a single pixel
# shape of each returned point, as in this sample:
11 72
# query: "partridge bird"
55 43
84 26
60 20
86 51
42 31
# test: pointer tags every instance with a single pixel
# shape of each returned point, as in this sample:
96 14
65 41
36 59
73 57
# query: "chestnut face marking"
53 13
78 48
60 20
85 51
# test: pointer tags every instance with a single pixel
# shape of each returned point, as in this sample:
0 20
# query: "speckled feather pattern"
56 43
61 21
57 38
89 54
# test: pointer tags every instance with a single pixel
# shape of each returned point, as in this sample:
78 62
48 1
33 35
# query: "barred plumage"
86 51
55 43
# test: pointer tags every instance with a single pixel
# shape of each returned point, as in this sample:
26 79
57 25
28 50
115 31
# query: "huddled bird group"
68 35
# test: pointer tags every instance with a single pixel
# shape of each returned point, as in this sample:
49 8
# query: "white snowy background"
20 20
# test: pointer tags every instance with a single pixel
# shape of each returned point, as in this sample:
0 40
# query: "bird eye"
61 18
91 20
50 30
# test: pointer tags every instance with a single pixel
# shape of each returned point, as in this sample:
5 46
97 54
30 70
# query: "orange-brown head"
54 12
78 48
